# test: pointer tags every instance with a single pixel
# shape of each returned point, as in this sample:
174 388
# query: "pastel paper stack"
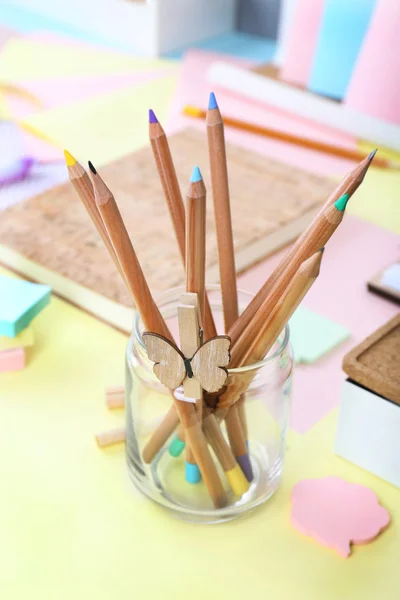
20 302
375 85
301 42
287 9
344 25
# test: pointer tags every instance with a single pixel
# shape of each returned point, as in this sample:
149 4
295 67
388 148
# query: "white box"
368 432
150 28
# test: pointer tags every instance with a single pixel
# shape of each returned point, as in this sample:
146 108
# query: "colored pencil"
173 196
195 266
195 282
222 211
83 186
195 252
291 138
236 424
309 242
267 325
154 322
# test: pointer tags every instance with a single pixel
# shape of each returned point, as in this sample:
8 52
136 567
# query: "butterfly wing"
169 365
209 361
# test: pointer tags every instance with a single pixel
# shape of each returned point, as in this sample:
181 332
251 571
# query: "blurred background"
71 73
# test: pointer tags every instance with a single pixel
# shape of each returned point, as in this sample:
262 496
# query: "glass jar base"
191 502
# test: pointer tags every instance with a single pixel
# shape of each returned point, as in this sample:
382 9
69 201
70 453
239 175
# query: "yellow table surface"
72 526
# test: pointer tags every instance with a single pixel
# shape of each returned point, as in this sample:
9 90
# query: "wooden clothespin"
190 332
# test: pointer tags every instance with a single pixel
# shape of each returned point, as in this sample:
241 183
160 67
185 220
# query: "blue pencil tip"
152 117
212 103
196 175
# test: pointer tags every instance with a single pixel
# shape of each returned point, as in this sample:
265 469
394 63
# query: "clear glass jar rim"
136 333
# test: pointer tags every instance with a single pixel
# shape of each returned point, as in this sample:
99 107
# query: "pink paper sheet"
357 251
375 84
7 34
194 89
302 40
54 92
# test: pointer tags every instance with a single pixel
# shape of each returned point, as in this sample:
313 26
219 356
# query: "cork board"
375 363
271 204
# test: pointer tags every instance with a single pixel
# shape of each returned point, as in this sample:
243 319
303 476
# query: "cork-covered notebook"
51 239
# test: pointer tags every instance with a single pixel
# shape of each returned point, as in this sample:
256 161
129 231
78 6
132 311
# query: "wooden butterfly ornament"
207 365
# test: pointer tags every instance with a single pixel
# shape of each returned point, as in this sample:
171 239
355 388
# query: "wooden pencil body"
196 243
269 322
83 186
222 211
226 253
169 182
173 196
315 237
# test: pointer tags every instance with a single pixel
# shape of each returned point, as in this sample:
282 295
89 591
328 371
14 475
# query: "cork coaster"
375 363
271 205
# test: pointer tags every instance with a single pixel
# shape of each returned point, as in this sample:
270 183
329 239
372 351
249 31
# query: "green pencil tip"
341 202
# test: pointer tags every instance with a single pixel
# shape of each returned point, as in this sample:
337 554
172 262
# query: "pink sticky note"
302 40
12 360
337 513
375 85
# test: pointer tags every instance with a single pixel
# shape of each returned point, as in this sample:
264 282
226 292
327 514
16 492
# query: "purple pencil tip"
245 465
152 117
371 156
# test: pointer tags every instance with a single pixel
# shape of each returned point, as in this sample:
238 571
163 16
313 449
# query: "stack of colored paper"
20 302
345 50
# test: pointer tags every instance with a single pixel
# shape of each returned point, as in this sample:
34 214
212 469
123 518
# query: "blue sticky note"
343 27
20 302
236 43
312 335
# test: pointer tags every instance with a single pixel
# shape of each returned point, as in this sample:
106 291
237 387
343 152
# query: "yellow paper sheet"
23 59
105 127
73 526
377 200
23 339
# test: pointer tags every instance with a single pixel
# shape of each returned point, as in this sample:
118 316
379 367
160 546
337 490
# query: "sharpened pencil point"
341 202
152 117
212 103
371 156
196 175
91 167
69 159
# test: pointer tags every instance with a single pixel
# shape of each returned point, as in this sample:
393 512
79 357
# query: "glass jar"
148 404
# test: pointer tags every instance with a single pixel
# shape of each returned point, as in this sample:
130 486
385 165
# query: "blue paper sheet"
235 43
343 27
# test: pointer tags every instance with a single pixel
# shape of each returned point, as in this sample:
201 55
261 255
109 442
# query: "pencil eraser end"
192 473
176 447
237 481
